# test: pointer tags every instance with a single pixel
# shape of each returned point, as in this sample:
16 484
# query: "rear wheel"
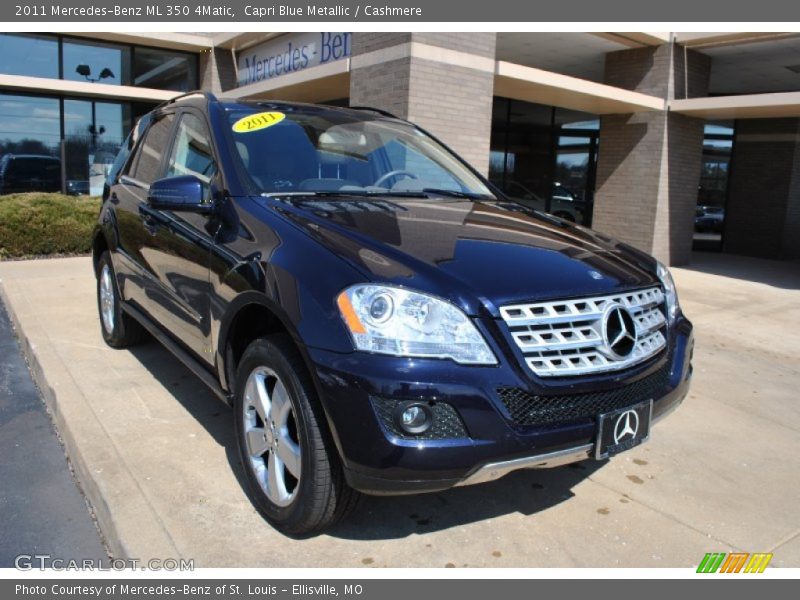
293 472
119 329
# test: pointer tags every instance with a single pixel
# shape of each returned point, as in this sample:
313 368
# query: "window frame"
76 39
180 116
136 153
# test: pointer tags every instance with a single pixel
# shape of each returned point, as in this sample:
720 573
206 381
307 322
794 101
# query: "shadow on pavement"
525 492
379 518
777 273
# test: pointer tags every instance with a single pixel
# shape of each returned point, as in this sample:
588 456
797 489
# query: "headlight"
390 320
670 292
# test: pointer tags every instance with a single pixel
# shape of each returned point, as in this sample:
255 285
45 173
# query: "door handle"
149 222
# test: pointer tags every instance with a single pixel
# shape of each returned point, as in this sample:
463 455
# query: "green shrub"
39 224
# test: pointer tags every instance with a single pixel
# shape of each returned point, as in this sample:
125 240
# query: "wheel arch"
250 316
99 245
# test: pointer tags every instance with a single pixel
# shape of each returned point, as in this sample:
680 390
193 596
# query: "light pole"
86 71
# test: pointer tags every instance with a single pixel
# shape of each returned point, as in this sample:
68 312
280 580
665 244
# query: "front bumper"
378 460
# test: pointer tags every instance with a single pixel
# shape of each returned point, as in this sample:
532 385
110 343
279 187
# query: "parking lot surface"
154 450
42 512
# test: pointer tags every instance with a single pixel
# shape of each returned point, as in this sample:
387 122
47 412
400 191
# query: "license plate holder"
623 429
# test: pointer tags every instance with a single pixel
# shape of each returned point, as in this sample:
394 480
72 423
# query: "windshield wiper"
423 193
343 193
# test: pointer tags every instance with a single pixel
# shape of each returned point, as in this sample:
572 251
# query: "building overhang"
23 83
188 42
711 39
545 87
747 106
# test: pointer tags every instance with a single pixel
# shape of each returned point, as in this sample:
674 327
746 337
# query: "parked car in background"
78 187
381 319
709 219
563 203
29 173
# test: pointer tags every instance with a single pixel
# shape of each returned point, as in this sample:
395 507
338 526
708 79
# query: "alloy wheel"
107 299
271 437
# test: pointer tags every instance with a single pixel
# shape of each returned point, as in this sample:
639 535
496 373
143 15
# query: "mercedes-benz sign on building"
668 141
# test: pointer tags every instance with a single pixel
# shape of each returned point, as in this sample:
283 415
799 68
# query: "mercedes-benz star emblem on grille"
626 426
619 332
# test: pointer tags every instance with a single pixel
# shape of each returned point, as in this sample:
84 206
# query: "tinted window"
34 167
96 62
191 153
29 125
148 160
28 54
164 70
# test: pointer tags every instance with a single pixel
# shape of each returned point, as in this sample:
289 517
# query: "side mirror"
183 193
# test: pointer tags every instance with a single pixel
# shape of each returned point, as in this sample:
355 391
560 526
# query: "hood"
471 252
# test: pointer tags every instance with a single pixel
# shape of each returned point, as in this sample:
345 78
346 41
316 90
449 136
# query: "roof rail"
206 94
380 111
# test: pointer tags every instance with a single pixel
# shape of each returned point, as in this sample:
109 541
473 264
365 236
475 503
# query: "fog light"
413 418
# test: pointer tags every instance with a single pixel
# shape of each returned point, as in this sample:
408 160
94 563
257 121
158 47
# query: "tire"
293 473
119 329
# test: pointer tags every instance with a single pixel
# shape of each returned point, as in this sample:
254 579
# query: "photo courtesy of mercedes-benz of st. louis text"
381 318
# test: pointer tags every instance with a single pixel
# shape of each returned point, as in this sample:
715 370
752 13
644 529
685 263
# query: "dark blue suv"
381 318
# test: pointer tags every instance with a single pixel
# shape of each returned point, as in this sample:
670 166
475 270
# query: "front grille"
446 422
566 337
525 408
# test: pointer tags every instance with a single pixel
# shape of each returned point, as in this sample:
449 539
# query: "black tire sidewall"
265 353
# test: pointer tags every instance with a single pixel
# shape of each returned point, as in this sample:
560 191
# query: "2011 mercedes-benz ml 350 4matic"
381 318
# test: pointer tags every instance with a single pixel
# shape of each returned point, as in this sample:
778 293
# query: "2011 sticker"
258 121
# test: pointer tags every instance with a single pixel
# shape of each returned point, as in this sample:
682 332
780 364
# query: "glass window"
96 62
29 125
575 119
148 162
191 154
164 70
523 132
29 54
712 191
93 133
30 133
545 157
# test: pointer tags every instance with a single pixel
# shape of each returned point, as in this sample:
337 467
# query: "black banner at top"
263 12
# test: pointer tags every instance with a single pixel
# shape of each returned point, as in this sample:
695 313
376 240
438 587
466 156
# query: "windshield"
328 151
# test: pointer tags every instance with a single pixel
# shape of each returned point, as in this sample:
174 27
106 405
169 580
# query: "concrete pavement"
154 450
41 510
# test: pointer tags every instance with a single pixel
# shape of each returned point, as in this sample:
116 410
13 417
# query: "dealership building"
668 141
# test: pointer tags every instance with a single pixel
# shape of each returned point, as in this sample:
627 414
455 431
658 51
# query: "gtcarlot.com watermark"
31 562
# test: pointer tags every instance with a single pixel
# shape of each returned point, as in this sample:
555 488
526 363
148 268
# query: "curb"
129 526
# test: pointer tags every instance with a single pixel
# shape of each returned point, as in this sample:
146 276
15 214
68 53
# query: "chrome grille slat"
565 337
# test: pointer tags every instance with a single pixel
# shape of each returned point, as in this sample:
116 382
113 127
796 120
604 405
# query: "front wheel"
292 470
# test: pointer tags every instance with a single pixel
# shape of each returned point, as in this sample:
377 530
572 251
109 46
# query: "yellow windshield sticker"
258 121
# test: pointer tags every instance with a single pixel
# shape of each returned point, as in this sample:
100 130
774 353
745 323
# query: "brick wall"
648 164
452 102
791 227
383 86
217 70
364 42
479 44
762 217
455 105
